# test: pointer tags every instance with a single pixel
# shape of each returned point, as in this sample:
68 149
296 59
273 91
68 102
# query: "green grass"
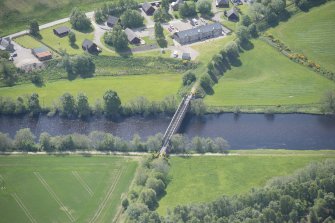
311 33
202 179
18 178
266 77
153 87
28 42
49 38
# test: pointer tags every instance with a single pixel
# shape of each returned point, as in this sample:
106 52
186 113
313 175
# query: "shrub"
188 78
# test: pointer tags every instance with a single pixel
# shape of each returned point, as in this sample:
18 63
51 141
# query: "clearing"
266 77
204 178
311 33
153 87
63 189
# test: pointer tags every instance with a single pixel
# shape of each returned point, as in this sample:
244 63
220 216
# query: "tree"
45 142
252 29
242 33
206 83
34 104
125 203
112 103
99 16
245 20
160 15
20 107
6 143
83 107
178 143
148 197
156 184
232 50
79 20
188 78
328 102
135 210
187 9
278 6
25 140
204 7
116 38
159 34
72 38
198 107
82 65
108 38
132 19
68 105
165 5
8 72
34 28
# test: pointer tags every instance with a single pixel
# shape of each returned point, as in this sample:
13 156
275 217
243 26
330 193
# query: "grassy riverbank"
204 178
63 188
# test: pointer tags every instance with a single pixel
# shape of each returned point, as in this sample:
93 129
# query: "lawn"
28 42
266 77
153 87
64 188
202 179
50 39
311 33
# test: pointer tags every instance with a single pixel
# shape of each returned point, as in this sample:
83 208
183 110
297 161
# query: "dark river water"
246 131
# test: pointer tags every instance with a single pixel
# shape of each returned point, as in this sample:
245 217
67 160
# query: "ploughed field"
205 178
63 188
311 33
266 77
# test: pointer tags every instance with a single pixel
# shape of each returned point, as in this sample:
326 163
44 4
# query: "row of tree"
190 8
22 105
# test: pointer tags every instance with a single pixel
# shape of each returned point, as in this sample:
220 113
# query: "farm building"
132 37
199 33
112 21
186 56
6 44
61 31
222 3
175 5
89 46
232 14
42 53
147 8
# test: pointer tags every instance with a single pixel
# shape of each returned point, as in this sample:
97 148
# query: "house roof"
201 29
40 50
43 54
62 30
4 43
112 20
131 35
146 6
222 2
231 12
186 56
88 44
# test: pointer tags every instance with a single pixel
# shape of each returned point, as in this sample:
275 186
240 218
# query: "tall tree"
72 38
25 140
204 7
112 103
132 19
68 105
34 28
79 20
34 104
83 107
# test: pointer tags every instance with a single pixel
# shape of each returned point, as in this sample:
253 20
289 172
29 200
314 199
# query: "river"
245 131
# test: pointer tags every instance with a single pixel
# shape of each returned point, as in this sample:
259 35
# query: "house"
186 56
61 31
232 14
175 5
112 21
6 44
222 3
42 53
198 33
89 46
132 37
147 8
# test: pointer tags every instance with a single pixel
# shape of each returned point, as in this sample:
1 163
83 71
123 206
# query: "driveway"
25 59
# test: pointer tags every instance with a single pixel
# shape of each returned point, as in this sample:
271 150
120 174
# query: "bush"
79 20
72 38
204 7
188 78
25 140
132 19
328 102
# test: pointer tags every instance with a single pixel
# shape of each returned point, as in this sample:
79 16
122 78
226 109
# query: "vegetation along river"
245 131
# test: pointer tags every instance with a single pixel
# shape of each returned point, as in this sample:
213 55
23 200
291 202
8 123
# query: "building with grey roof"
61 31
112 21
6 44
232 14
147 8
199 33
132 37
222 3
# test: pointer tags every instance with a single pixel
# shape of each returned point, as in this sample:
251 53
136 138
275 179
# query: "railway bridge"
175 123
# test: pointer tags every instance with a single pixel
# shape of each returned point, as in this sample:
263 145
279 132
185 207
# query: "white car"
175 54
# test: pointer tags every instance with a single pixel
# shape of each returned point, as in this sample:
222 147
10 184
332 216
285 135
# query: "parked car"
14 54
175 54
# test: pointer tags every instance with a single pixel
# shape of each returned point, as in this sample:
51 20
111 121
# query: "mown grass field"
311 33
63 189
153 87
201 179
28 42
266 77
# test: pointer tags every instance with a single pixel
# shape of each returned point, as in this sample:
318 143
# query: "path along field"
204 178
153 87
266 77
311 33
63 189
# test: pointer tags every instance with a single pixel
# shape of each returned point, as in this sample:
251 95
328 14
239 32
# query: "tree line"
25 140
306 196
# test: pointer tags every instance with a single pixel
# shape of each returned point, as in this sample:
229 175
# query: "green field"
311 33
201 179
64 188
28 42
266 77
153 87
